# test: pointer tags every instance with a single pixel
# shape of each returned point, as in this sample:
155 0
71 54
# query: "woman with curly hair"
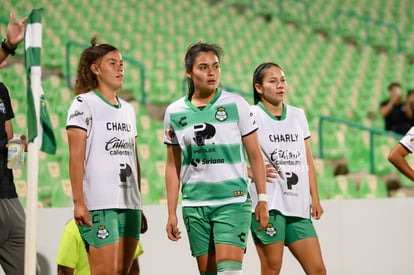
103 165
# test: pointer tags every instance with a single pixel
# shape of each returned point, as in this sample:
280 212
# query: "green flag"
38 123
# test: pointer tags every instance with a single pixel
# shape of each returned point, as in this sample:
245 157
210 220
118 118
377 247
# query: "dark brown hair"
258 78
191 55
86 80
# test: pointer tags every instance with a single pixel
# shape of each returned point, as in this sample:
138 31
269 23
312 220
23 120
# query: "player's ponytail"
86 80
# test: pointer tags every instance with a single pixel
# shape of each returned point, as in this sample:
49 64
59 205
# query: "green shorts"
283 228
108 225
210 225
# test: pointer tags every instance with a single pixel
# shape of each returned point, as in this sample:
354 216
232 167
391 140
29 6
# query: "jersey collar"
207 107
282 117
106 101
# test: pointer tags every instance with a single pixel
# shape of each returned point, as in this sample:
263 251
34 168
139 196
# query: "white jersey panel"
111 173
408 140
282 143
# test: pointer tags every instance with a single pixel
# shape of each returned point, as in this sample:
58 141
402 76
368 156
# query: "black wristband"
6 48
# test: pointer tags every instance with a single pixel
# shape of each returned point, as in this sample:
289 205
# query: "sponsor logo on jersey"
252 117
170 133
197 161
125 172
286 156
283 137
238 193
221 114
182 121
76 113
117 146
118 126
102 233
242 237
291 179
204 150
202 132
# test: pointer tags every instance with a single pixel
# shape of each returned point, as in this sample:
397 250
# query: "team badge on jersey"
221 114
270 230
102 233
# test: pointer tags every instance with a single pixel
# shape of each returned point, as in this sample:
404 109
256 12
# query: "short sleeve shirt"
213 171
111 169
72 251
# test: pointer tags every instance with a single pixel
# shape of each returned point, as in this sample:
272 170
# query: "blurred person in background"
12 215
14 35
410 103
72 256
396 113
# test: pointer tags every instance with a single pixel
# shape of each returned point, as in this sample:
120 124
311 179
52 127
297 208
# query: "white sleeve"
169 134
79 114
408 140
247 123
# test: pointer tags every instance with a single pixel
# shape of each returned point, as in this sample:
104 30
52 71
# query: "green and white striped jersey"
213 170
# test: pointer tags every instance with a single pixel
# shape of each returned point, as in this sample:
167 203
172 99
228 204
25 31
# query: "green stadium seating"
372 187
326 76
343 188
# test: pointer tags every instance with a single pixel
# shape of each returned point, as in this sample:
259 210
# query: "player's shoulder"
410 132
294 109
232 96
125 103
176 105
84 97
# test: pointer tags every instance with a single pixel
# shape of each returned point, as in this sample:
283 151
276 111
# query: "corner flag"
38 121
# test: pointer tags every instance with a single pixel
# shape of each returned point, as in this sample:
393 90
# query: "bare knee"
270 266
318 269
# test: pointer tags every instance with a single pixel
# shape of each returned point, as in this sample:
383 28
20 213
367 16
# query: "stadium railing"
373 132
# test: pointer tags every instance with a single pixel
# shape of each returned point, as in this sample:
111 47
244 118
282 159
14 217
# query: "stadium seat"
322 70
343 188
372 187
61 194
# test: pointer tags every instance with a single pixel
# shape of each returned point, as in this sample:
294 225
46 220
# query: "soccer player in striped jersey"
103 165
205 133
291 180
